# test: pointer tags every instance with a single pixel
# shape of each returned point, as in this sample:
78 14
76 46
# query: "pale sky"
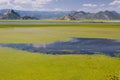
61 5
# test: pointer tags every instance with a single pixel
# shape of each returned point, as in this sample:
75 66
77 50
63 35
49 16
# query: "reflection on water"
73 46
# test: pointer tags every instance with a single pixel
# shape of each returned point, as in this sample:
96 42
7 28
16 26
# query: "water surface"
37 22
72 46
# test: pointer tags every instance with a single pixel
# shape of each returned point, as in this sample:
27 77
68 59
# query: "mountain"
108 15
39 14
28 18
10 14
13 14
44 14
62 15
68 17
74 15
102 15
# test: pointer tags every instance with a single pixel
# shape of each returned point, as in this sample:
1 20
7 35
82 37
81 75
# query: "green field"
21 65
51 33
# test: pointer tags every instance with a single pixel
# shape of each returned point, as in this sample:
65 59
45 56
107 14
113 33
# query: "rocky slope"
102 15
11 14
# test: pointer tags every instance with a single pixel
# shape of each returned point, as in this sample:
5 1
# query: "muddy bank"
73 46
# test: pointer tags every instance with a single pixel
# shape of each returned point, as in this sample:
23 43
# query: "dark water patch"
73 46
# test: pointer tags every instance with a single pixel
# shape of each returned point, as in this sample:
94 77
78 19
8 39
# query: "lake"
72 46
38 22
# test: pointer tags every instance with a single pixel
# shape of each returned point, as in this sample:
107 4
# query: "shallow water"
73 46
37 22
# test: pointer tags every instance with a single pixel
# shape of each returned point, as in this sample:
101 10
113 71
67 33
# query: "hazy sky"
61 5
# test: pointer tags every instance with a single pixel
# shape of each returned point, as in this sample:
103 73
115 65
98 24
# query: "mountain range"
62 15
102 15
35 14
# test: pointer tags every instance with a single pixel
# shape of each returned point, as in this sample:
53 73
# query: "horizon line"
61 10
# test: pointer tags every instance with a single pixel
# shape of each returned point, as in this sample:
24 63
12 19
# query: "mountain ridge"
10 14
102 15
62 15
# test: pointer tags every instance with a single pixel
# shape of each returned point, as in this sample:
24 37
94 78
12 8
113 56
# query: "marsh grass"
51 33
20 65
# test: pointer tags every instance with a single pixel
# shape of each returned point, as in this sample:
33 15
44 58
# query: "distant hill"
62 15
102 15
28 17
39 14
68 17
44 14
11 14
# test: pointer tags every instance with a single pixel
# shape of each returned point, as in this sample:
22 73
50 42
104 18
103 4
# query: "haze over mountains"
35 14
63 15
102 15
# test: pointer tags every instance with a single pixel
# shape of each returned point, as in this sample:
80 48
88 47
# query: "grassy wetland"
23 65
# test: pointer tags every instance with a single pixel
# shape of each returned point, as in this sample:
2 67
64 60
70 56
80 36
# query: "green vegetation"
49 33
19 65
51 20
